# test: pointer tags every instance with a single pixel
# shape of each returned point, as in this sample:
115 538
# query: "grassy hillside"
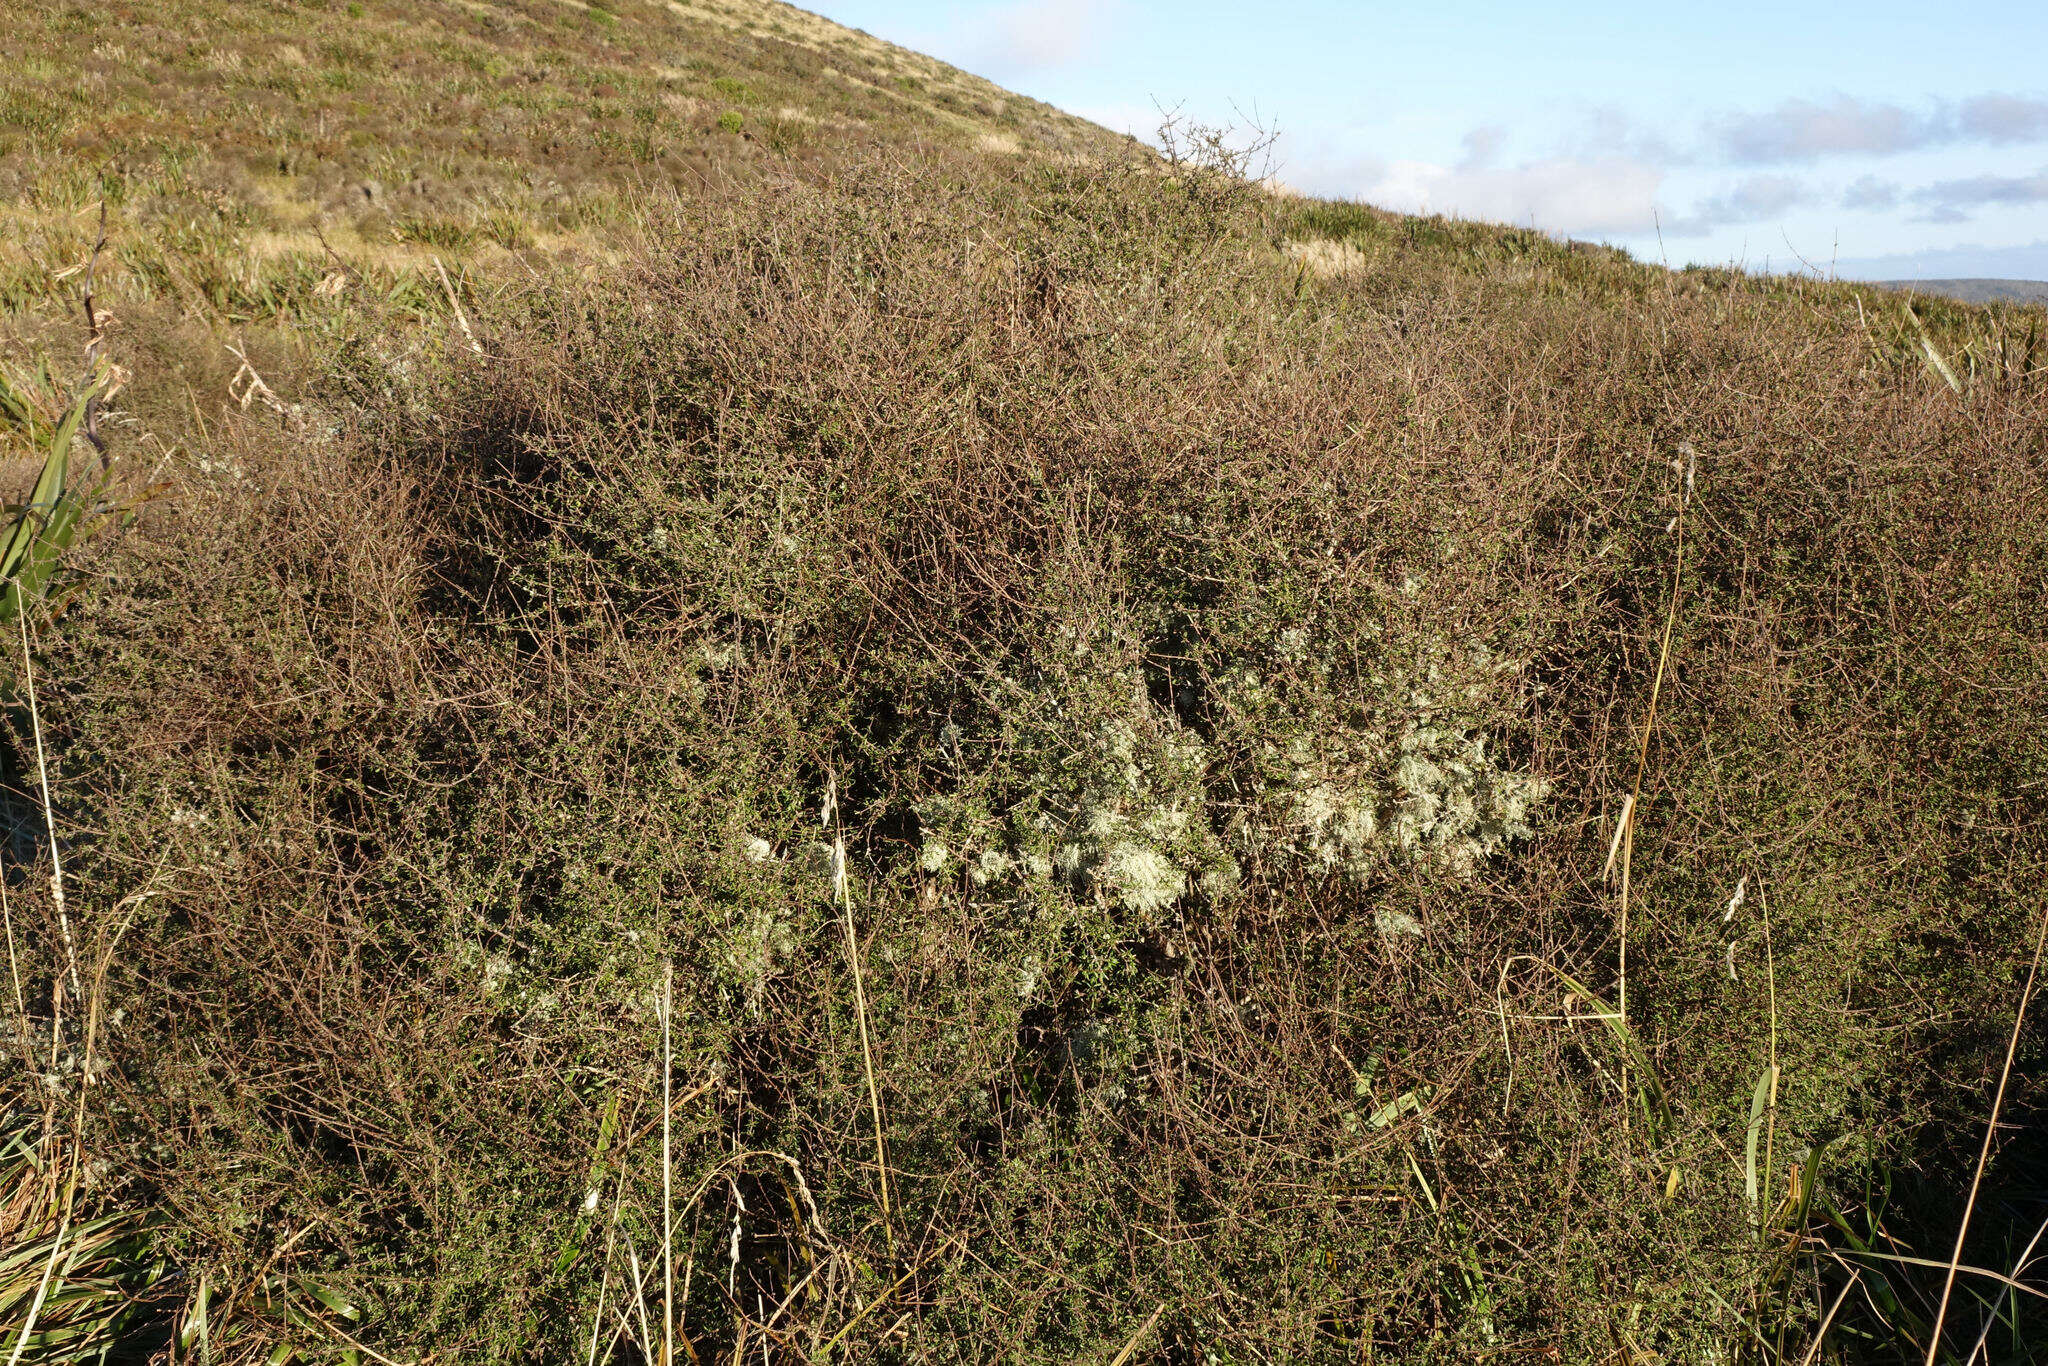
228 132
259 161
945 740
1979 291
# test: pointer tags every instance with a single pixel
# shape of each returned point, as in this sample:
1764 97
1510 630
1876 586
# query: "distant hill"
1978 291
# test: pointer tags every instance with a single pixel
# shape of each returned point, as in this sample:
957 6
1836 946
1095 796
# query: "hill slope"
1978 291
226 132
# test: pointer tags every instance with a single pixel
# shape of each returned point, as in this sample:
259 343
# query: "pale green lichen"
988 866
1432 797
1396 922
1120 816
1138 835
1392 768
1139 876
1313 761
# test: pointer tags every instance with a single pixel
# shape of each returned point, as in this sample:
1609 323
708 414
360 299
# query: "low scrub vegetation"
949 754
969 760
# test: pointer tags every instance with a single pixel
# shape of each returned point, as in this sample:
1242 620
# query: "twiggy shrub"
1228 679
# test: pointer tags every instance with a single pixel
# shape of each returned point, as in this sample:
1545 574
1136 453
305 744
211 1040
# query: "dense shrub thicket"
1204 692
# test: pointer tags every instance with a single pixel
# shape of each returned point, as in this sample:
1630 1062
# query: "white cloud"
1803 130
1482 147
2003 118
1800 131
1986 190
1747 201
1870 193
1033 35
2028 261
1561 195
1806 130
1605 133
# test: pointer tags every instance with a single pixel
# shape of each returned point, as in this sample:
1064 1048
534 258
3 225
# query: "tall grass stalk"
611 1234
49 824
639 1293
57 891
1763 897
461 318
1955 1260
1820 1335
668 1224
1759 1181
1635 797
843 894
13 961
1139 1336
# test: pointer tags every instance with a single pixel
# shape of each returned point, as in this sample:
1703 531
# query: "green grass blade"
1757 1101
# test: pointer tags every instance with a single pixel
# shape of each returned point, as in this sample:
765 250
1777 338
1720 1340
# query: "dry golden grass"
1327 259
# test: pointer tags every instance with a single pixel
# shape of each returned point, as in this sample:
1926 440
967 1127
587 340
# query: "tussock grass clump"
1205 686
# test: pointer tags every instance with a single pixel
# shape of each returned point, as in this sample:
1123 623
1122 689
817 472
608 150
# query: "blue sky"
1889 139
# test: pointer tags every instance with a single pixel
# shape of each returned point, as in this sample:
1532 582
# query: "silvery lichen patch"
1429 796
1110 800
1358 774
1124 802
1139 832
